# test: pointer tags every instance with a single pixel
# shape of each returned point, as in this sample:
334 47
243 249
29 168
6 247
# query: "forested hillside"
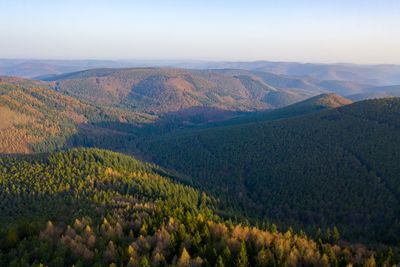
163 90
166 90
337 167
99 208
35 118
308 106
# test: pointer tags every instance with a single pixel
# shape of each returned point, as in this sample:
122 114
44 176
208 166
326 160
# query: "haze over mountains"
343 79
367 74
161 90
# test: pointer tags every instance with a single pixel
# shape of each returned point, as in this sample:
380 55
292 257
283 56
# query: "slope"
377 92
35 118
164 90
107 209
364 74
334 167
343 88
308 106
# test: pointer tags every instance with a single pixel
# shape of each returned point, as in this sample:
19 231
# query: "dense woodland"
35 118
98 208
332 168
165 90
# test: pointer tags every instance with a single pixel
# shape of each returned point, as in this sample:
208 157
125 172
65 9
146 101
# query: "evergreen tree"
370 262
144 262
335 235
184 259
219 262
242 258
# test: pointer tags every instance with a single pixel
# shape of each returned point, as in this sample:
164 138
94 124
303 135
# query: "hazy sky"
360 31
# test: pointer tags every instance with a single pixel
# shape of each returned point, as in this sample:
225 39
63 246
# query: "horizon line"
172 60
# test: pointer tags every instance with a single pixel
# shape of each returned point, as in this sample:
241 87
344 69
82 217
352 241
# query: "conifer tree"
144 262
335 235
242 258
184 260
220 262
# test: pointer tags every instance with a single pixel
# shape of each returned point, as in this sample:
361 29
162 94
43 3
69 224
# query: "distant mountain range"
162 90
364 74
377 92
293 81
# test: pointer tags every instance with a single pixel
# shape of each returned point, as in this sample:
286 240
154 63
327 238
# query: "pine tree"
226 254
203 201
184 260
262 258
274 228
370 262
220 262
144 262
335 235
242 258
328 234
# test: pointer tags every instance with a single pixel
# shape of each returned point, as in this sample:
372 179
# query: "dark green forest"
336 167
89 207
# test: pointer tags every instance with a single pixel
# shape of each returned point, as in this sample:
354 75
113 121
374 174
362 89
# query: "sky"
326 31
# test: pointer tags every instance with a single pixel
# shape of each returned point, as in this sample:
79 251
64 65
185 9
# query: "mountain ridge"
35 118
298 169
161 90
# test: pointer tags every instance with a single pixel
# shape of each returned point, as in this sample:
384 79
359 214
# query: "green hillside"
36 118
99 208
310 105
336 167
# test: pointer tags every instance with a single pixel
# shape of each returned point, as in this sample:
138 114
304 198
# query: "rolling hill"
169 90
377 92
342 79
343 88
36 118
308 106
163 90
333 167
33 68
364 74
